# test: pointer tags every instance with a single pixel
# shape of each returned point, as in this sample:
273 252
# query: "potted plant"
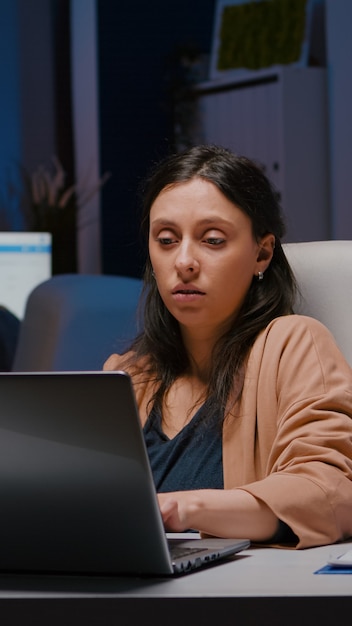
48 204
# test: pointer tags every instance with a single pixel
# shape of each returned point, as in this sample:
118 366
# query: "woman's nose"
186 259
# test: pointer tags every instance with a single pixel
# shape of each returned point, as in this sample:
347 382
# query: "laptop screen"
25 261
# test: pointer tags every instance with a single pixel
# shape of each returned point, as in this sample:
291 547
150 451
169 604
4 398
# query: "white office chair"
75 321
324 274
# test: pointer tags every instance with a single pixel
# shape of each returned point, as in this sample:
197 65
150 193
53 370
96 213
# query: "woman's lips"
189 293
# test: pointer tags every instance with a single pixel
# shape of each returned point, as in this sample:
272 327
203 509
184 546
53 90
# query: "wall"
83 17
135 124
27 105
10 126
135 43
339 54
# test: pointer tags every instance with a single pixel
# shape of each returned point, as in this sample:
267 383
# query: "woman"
246 408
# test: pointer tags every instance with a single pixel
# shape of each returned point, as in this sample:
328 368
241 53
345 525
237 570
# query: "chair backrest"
323 270
9 330
75 321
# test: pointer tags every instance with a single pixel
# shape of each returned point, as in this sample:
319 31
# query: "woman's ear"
266 251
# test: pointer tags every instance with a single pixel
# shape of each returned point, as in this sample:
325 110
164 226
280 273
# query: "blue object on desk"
341 564
331 569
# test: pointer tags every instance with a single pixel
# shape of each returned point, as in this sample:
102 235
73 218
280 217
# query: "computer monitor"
25 261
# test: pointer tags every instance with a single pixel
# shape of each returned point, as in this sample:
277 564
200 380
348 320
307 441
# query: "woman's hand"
173 507
219 512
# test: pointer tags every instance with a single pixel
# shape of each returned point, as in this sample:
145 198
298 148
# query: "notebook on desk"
76 489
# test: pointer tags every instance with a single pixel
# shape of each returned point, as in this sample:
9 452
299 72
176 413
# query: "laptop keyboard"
179 551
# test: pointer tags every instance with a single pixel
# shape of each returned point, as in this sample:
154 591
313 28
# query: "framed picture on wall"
251 37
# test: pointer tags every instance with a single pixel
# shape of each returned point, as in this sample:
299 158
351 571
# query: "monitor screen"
25 261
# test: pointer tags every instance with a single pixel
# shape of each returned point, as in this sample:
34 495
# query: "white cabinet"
280 120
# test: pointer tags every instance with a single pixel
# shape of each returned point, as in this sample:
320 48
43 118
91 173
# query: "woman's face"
203 254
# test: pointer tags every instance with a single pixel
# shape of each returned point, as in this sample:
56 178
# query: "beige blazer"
290 442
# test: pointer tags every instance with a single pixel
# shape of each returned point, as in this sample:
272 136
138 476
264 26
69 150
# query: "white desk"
260 586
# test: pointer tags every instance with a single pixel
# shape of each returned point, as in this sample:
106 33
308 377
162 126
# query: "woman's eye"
214 241
165 241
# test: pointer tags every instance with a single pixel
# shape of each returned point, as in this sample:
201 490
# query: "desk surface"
258 586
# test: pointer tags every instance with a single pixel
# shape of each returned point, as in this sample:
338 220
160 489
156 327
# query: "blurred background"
95 91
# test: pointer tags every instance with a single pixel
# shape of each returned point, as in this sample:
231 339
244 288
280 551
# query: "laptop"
76 489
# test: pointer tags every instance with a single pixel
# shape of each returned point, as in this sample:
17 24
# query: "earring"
260 275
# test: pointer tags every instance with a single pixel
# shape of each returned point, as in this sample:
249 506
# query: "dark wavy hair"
246 186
